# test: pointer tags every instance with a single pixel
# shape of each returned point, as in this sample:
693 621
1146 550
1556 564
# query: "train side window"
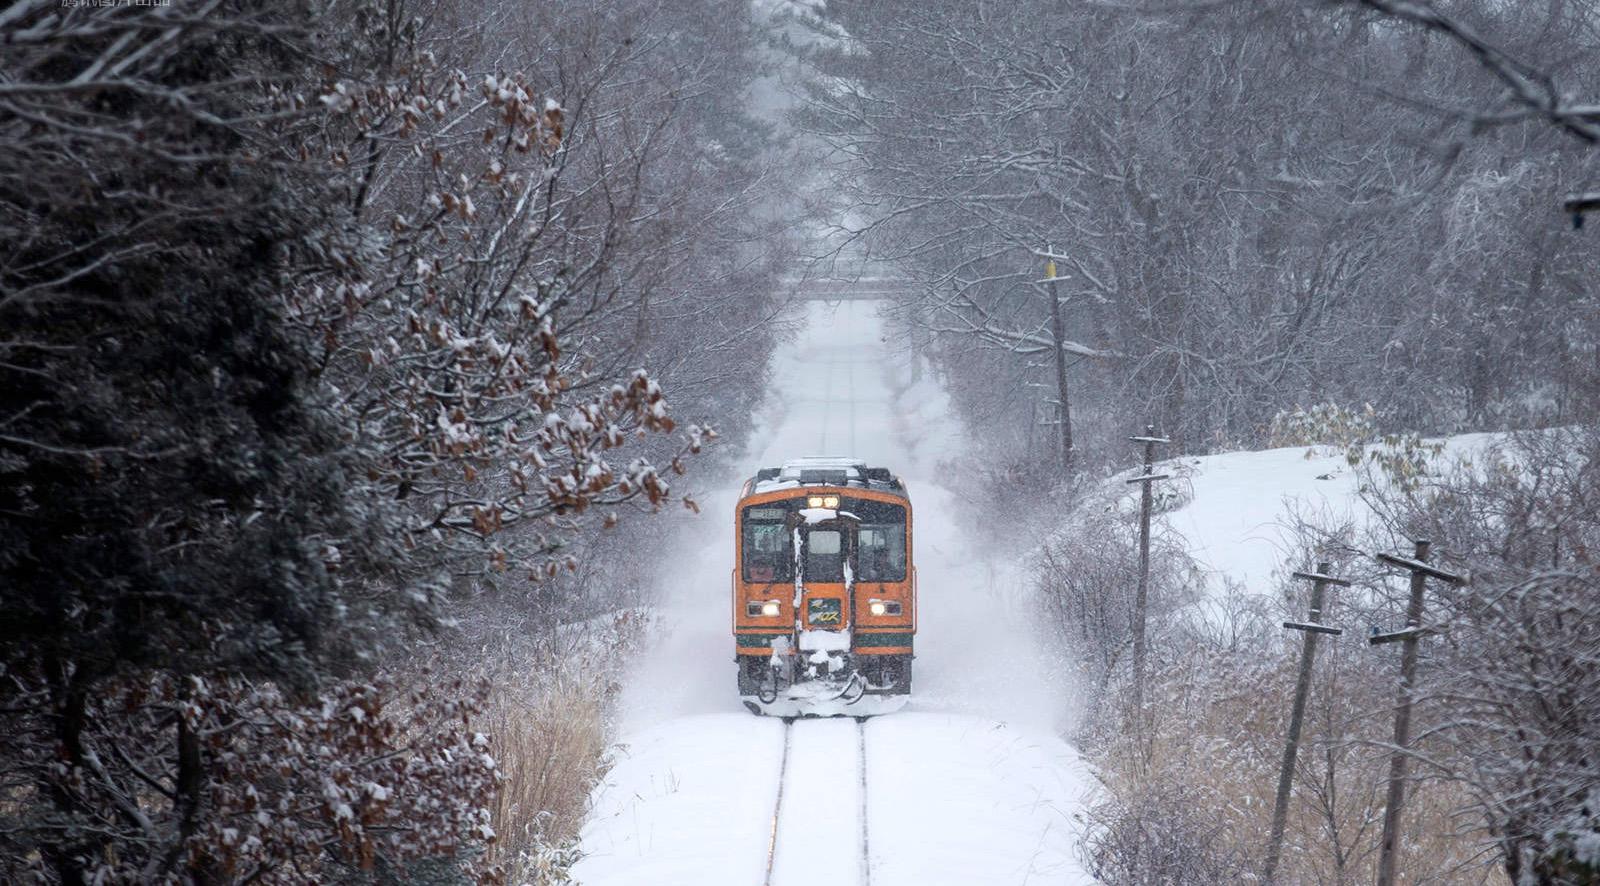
882 552
824 555
768 555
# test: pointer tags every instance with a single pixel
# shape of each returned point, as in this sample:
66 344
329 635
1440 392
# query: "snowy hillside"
1237 507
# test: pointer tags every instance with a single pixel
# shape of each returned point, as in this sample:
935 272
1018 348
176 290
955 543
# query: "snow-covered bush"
1520 709
1084 575
1324 424
358 779
1510 700
1169 833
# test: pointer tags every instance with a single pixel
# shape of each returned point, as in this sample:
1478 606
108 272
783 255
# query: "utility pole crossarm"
1412 565
1312 627
1327 579
1415 633
1148 478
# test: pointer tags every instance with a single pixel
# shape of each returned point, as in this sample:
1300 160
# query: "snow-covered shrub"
194 576
1183 778
1571 850
1084 575
1401 462
295 360
541 863
1168 833
1324 424
1509 696
359 779
1522 711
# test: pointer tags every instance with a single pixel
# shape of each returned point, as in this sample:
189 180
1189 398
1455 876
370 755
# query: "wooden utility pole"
1313 628
1389 847
1141 595
1064 403
1058 336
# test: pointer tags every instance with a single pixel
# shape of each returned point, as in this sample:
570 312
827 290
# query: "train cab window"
882 552
768 553
824 555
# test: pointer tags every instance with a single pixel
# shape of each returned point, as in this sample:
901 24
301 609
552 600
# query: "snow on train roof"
824 470
792 468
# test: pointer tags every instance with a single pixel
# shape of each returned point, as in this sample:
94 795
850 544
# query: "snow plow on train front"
824 590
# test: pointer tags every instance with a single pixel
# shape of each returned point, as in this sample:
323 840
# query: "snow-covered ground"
1239 507
969 784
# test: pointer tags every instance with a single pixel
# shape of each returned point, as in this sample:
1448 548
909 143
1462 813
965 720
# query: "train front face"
824 607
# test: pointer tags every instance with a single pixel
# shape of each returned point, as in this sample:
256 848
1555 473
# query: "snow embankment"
1238 509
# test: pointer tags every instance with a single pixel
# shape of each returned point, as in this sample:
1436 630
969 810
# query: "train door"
826 567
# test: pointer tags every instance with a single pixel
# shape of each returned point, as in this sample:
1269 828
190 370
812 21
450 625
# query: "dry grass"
1193 802
1189 794
547 715
550 742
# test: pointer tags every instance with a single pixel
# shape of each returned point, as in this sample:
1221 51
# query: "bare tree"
1244 236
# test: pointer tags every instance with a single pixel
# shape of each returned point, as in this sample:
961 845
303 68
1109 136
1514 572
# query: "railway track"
787 858
822 755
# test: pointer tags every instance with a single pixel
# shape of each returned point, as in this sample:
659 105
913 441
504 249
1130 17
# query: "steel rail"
777 804
866 854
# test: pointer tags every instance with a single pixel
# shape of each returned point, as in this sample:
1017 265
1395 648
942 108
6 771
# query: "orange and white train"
824 589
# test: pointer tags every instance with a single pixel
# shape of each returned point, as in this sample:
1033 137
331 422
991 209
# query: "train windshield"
768 551
768 544
824 555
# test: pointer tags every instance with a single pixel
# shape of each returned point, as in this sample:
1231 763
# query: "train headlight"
769 608
823 501
830 501
877 607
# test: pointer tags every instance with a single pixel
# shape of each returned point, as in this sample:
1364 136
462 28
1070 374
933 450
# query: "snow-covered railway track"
820 806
